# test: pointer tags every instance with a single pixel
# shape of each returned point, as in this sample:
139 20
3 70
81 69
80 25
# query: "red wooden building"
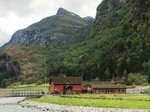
103 88
74 85
62 85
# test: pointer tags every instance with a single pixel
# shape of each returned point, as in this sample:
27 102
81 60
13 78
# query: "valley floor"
97 101
126 101
65 108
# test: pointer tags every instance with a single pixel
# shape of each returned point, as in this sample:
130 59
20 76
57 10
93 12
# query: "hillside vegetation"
119 44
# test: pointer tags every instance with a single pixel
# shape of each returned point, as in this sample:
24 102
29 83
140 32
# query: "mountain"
61 29
29 48
88 20
119 42
116 47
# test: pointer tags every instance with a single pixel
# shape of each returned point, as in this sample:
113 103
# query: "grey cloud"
4 37
23 7
20 7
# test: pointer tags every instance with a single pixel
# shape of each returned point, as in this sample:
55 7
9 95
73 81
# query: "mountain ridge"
58 29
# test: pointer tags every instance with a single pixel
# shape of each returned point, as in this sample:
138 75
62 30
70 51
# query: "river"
17 108
11 105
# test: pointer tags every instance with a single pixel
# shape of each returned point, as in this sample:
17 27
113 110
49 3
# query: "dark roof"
66 80
97 85
108 86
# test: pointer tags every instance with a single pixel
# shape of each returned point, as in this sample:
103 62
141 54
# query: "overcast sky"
18 14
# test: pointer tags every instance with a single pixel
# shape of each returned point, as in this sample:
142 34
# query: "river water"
16 108
10 105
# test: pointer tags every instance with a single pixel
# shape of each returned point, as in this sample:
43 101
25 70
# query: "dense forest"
119 44
117 48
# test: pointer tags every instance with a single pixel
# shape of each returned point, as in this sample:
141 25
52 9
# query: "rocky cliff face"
88 20
62 11
61 29
27 37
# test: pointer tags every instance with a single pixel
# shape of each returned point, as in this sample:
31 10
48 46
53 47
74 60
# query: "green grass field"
43 87
111 101
111 96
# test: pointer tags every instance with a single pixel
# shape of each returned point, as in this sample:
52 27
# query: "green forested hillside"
119 43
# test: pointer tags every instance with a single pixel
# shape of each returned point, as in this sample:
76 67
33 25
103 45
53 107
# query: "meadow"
42 87
111 96
101 100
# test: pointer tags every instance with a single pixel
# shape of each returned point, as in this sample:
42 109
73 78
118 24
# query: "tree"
135 78
107 74
125 76
146 67
5 83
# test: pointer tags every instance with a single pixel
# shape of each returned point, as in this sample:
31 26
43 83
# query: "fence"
21 93
138 91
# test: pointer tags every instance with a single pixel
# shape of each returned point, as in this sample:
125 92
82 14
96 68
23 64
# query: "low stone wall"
63 108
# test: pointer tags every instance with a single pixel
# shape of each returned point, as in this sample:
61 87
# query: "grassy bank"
111 101
43 87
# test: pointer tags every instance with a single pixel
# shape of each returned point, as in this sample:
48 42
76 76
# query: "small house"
63 85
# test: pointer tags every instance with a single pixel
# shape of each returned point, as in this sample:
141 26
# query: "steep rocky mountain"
61 29
89 20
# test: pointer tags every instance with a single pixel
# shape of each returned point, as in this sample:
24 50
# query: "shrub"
136 78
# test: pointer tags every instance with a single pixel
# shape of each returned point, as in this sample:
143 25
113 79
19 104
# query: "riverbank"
10 104
63 108
11 100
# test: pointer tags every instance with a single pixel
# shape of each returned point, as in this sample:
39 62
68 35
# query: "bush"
136 78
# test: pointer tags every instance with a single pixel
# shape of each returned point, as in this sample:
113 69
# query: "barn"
65 85
103 88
